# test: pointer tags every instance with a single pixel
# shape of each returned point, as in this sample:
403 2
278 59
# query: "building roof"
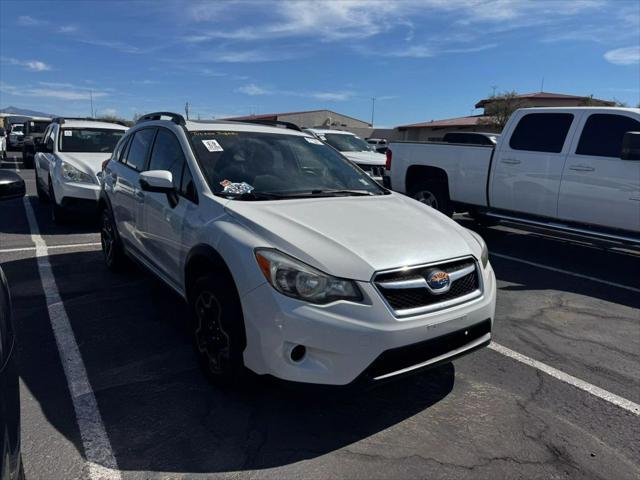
274 116
468 121
547 96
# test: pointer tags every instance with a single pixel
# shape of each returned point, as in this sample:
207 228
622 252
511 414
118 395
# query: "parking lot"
555 396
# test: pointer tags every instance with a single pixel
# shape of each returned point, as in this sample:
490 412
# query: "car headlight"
484 256
298 280
72 174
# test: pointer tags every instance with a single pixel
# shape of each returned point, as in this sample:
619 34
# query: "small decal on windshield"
315 141
68 133
238 188
212 145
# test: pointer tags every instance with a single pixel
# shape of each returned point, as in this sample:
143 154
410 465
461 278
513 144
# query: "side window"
167 155
139 148
187 187
602 134
117 152
541 132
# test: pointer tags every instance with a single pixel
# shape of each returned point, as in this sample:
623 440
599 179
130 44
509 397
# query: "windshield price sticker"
212 145
68 133
315 141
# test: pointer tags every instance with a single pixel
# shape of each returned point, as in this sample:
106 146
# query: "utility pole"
91 97
493 87
373 109
542 85
186 109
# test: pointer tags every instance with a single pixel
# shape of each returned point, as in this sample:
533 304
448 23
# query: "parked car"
573 169
33 133
294 263
68 164
11 186
16 135
355 149
3 144
379 144
473 138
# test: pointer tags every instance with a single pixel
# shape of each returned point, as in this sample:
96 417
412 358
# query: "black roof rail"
266 121
175 117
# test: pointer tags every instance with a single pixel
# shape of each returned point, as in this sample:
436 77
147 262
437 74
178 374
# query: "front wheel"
58 213
218 329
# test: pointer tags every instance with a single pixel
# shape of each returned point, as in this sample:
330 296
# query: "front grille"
373 170
414 297
398 359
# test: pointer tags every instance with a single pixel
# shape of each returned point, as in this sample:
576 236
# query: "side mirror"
630 146
159 181
11 185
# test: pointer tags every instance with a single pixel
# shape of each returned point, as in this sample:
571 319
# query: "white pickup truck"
574 169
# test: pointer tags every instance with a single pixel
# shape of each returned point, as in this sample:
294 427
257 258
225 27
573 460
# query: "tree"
499 107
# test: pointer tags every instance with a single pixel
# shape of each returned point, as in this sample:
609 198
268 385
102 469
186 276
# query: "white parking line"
566 272
101 461
51 247
571 380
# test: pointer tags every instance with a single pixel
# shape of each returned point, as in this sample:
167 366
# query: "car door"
163 215
127 197
44 161
527 169
598 187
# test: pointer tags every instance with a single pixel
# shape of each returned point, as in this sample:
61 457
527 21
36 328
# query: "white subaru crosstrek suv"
294 262
355 149
68 164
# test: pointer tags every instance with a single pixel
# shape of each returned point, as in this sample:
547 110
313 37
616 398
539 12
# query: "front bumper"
347 341
81 197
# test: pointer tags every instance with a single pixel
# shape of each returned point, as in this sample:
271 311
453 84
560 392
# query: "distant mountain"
25 112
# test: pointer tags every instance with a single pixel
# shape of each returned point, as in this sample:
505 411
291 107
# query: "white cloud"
253 90
33 65
68 29
109 111
61 93
623 56
28 21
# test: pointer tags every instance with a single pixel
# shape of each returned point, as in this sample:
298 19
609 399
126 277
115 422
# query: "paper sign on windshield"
212 145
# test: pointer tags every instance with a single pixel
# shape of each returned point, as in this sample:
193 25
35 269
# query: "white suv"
68 163
295 263
355 149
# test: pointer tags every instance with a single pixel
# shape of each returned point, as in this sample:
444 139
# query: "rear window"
541 132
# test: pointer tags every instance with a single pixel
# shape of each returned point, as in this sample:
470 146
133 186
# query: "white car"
3 144
16 135
355 149
295 264
68 164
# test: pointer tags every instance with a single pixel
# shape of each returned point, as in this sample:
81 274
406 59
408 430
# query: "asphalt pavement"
572 306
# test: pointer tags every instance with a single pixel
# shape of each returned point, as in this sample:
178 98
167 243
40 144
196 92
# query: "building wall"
324 119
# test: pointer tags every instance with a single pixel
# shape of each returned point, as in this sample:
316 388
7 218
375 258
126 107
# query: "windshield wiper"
355 193
250 196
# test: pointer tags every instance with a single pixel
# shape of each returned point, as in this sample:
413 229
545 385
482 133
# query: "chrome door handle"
511 161
581 168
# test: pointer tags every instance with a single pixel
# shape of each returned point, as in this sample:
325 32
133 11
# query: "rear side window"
139 148
541 132
167 155
602 134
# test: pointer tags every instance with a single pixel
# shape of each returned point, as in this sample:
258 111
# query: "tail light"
105 163
389 154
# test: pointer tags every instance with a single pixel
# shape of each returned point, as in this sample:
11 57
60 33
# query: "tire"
435 195
58 213
42 195
27 158
219 336
112 250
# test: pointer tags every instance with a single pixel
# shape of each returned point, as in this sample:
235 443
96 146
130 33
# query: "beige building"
312 119
436 129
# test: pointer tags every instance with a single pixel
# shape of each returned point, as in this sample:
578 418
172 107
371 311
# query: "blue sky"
421 59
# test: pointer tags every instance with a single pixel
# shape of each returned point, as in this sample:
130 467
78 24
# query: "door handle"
139 195
581 168
511 161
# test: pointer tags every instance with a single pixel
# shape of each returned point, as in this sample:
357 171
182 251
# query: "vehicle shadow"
158 409
13 220
582 258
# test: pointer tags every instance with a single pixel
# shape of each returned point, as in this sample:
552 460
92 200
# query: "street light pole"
373 109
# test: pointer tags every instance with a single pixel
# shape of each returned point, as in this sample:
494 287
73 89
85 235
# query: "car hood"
87 162
367 158
353 237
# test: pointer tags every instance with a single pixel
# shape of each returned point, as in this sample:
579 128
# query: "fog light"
297 353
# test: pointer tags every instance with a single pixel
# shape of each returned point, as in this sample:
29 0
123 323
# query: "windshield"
89 140
279 165
346 143
38 127
17 129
